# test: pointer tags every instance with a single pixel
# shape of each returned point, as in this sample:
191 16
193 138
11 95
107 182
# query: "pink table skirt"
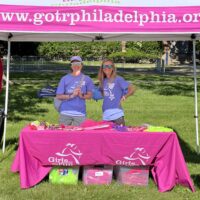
39 150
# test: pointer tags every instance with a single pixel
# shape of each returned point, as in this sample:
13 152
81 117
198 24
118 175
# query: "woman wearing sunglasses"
115 90
73 90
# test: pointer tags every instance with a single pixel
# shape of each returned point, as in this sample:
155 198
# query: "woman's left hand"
81 95
122 99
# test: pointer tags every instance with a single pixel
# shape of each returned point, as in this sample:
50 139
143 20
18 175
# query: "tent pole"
7 91
195 93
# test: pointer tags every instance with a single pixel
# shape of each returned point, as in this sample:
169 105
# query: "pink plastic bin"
97 174
134 175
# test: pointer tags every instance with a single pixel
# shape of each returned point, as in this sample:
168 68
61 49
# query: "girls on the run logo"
69 156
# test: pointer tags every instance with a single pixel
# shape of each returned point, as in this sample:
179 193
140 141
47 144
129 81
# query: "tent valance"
83 20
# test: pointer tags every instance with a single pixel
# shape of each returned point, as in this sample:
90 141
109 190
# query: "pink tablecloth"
39 150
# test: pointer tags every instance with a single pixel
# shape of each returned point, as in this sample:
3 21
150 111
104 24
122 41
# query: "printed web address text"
98 16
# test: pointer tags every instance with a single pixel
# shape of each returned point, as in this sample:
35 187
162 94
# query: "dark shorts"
71 120
119 121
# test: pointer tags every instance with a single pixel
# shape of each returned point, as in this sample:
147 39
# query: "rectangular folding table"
38 151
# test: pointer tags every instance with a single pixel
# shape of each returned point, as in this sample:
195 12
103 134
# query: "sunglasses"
107 66
76 64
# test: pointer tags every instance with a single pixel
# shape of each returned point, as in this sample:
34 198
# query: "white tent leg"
6 95
195 94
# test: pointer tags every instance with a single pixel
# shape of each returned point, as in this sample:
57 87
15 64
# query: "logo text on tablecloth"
138 157
69 156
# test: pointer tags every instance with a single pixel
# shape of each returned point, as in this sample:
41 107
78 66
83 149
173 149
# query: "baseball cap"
76 58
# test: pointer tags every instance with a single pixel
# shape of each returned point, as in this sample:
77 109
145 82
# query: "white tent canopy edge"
116 36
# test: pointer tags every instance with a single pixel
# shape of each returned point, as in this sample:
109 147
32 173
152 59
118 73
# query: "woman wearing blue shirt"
115 90
73 90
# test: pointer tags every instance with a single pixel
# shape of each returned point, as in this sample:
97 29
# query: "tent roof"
30 36
91 20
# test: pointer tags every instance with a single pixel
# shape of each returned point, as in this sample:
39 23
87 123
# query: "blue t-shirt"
113 92
75 106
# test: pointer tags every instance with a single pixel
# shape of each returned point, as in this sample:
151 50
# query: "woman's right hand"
75 92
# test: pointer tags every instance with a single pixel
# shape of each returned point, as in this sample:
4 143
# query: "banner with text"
99 18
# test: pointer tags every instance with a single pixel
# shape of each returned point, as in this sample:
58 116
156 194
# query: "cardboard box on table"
134 175
64 175
97 174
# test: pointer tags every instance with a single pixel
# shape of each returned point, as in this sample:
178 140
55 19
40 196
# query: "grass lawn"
161 100
98 63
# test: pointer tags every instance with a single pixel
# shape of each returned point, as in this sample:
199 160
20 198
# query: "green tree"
88 50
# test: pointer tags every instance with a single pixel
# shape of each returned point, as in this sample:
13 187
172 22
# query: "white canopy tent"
107 20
